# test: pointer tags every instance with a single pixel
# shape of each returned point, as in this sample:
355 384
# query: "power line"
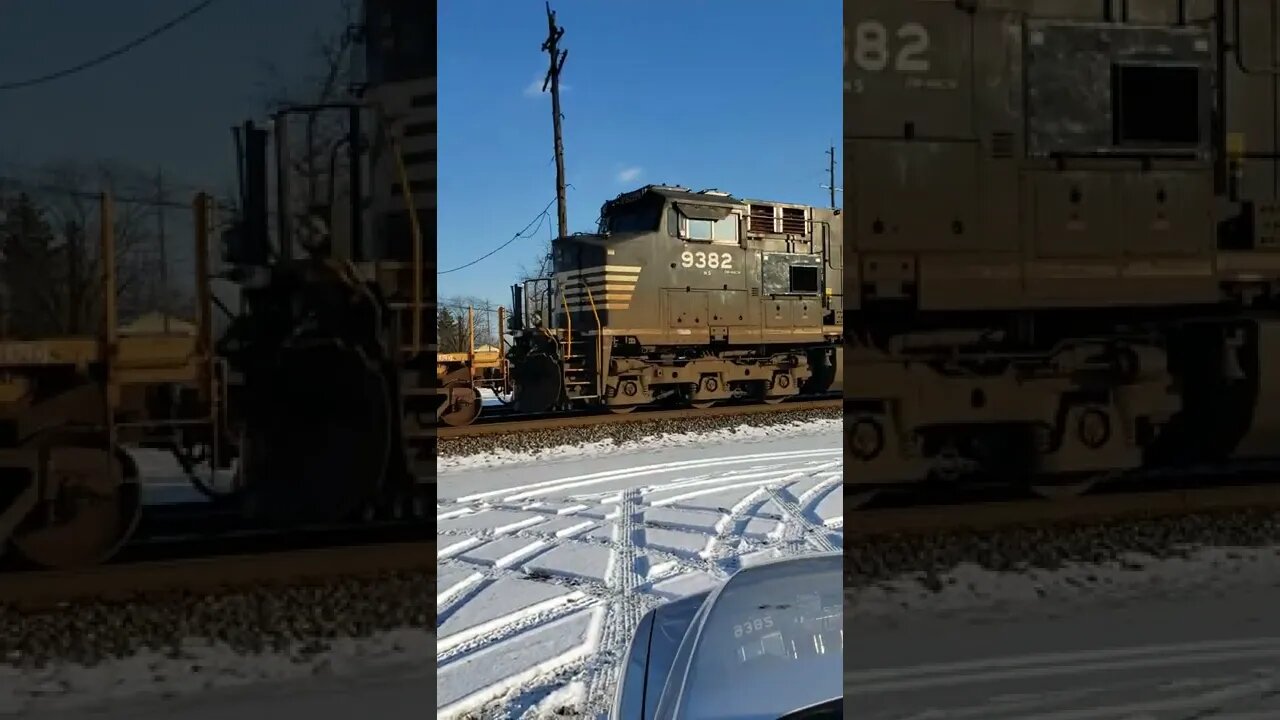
22 185
111 54
540 217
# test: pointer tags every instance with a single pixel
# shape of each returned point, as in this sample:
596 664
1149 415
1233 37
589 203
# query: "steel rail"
1082 510
606 418
212 575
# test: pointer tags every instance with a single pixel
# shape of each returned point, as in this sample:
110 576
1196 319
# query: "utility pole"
551 46
831 173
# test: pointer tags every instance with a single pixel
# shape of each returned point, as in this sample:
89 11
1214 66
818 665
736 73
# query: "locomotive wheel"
774 400
94 510
463 407
622 409
703 404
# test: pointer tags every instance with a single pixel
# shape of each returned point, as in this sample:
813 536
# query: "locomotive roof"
675 192
702 197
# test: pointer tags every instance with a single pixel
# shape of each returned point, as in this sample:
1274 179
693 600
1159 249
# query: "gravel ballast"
1045 571
621 433
91 652
1052 547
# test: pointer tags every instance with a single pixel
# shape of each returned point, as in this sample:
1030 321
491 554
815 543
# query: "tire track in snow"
799 532
499 633
612 507
625 608
724 556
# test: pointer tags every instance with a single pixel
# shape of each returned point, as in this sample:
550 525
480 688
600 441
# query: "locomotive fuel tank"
695 297
1063 257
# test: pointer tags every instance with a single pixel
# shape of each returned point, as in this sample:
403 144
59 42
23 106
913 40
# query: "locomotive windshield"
637 216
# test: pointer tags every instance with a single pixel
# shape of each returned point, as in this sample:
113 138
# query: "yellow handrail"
568 327
599 340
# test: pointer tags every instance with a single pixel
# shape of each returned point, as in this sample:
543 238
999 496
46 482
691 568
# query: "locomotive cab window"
1156 106
717 225
696 229
804 279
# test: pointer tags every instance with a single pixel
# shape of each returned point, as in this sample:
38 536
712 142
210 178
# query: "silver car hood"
767 642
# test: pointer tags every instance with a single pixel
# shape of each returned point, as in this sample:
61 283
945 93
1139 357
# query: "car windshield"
833 708
771 642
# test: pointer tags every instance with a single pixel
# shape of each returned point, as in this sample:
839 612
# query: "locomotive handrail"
415 231
110 329
471 345
568 327
599 340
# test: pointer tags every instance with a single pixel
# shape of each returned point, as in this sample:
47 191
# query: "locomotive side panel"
1034 272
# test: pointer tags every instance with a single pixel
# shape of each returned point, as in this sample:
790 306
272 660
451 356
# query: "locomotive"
329 401
1064 238
683 297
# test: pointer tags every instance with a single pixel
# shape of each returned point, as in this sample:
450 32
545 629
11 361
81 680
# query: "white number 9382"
706 260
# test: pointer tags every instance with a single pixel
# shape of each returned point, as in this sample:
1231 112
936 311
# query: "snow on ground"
970 588
490 398
164 482
547 562
126 686
1138 637
123 687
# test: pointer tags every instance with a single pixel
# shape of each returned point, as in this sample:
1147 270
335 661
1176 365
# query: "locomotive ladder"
572 370
416 390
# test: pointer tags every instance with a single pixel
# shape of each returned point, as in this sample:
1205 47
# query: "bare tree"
484 314
312 160
54 266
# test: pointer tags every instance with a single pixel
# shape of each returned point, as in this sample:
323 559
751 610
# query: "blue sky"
740 95
168 104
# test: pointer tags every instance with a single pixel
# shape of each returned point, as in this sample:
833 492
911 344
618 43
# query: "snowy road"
544 568
1210 653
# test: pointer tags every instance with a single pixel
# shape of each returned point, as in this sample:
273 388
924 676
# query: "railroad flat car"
685 297
1064 239
70 494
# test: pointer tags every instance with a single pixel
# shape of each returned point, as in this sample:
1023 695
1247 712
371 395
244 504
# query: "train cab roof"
677 193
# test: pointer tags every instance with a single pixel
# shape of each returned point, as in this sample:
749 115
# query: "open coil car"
768 643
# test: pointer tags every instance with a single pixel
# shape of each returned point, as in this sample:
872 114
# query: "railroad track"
199 548
126 580
1118 506
506 426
